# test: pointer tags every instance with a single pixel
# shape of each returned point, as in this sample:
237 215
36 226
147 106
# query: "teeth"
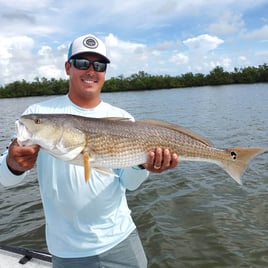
89 81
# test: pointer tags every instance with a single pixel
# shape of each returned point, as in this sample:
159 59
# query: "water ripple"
194 215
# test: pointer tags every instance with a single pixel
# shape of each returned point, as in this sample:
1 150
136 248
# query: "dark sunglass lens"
99 66
84 64
81 64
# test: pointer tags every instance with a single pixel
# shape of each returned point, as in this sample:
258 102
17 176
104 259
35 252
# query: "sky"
170 37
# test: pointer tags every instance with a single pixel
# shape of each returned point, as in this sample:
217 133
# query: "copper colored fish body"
107 143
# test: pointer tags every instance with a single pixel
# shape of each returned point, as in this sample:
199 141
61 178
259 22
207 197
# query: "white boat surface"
19 257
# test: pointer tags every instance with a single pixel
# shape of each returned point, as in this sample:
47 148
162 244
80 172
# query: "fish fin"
68 154
177 128
121 119
87 168
239 159
105 171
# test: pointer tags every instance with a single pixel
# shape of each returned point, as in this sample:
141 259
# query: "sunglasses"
84 64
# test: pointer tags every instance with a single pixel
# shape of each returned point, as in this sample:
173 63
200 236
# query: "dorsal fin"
177 128
121 119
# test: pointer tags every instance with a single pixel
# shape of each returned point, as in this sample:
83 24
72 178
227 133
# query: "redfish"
109 143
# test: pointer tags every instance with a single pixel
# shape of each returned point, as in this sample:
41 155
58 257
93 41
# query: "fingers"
174 161
160 160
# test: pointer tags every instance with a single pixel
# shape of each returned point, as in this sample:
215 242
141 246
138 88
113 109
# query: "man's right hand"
21 158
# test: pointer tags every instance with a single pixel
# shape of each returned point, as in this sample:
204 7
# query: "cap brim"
105 58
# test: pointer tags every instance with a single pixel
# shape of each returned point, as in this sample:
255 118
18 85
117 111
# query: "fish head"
54 134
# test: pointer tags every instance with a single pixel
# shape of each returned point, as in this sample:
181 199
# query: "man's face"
85 83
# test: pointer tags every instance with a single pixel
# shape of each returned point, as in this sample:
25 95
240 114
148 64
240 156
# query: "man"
87 225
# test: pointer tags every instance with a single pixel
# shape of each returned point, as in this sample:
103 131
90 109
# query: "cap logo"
90 42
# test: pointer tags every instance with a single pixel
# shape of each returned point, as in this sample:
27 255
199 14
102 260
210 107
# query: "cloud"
228 23
29 17
124 53
18 60
15 47
113 42
19 17
14 52
156 37
260 34
26 5
49 71
203 43
179 58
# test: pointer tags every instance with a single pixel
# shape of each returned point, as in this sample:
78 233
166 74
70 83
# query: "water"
191 216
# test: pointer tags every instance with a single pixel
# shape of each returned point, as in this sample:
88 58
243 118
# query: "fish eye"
37 121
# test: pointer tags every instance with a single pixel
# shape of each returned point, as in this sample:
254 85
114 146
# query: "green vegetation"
141 81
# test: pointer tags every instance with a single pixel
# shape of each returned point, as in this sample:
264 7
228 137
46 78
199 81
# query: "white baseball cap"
87 44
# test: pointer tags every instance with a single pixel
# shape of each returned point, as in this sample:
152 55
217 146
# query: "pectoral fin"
87 168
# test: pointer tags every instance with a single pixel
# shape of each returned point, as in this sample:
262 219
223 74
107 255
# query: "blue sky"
159 37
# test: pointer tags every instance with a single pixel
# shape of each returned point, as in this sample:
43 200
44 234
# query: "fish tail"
238 161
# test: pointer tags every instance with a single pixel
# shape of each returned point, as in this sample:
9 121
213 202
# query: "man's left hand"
161 160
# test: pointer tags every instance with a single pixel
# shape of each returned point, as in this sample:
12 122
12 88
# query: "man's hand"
21 158
160 160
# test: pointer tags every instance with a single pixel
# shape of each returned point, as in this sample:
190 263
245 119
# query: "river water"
191 216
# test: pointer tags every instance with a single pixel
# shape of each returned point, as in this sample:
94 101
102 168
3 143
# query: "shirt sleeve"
7 178
132 177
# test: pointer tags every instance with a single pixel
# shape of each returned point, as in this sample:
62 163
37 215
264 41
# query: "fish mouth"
23 134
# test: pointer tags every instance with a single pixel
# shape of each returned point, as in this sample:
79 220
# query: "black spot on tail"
234 155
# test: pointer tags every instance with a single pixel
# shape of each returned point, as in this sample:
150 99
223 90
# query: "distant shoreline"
140 82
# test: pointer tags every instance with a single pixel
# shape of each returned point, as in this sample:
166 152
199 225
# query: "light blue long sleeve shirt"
82 219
